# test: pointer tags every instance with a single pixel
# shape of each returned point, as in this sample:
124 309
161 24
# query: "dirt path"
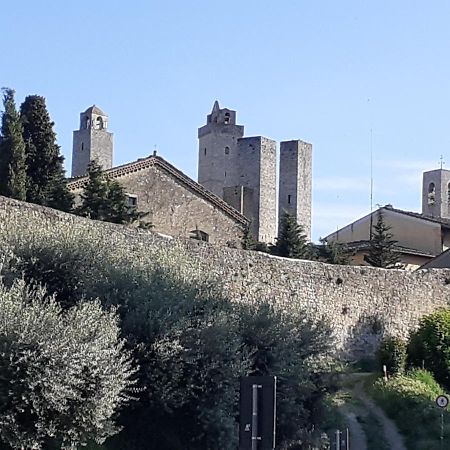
358 438
392 436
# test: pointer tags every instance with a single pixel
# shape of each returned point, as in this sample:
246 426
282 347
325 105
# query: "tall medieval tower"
240 170
92 142
436 193
295 190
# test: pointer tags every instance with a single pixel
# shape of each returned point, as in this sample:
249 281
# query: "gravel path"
357 436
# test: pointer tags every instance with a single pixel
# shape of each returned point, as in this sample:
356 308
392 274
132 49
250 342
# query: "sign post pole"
254 417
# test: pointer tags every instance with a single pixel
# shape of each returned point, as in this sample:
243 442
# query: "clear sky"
323 71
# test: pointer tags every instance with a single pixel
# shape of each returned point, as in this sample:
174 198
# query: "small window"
205 151
448 193
82 146
199 235
227 150
431 194
86 122
289 199
227 118
131 200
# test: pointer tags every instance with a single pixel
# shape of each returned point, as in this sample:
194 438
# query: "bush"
392 354
410 401
63 375
429 346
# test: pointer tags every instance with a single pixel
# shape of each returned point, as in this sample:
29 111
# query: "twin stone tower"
241 170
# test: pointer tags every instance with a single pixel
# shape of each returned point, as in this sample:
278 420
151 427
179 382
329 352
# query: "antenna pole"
371 183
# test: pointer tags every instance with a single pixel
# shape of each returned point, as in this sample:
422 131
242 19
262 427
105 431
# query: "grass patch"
374 432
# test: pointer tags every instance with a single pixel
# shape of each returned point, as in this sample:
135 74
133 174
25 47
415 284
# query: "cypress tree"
382 251
12 150
46 183
292 242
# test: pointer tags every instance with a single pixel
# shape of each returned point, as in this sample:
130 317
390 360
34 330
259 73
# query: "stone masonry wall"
359 303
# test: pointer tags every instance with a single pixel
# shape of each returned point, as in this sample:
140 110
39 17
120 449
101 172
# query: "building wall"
257 160
176 210
360 304
295 192
91 144
409 231
410 262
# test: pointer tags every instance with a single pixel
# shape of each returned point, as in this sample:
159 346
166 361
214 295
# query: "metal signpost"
257 413
442 402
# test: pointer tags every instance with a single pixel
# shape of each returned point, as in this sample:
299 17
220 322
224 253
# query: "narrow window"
431 194
205 151
99 123
227 118
448 193
227 150
82 146
289 199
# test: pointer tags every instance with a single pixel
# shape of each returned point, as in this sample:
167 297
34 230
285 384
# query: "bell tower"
436 193
91 142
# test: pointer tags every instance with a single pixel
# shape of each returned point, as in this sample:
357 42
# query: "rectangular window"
289 199
131 200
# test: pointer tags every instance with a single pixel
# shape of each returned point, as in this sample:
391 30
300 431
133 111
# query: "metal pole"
442 429
347 440
338 440
254 417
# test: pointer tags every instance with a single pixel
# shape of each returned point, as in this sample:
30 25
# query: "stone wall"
359 303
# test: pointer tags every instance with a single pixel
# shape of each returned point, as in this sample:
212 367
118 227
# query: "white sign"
442 401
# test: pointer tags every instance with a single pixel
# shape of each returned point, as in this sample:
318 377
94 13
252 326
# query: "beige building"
176 204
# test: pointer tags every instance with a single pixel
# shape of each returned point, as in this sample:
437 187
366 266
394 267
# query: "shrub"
410 400
63 375
429 346
392 353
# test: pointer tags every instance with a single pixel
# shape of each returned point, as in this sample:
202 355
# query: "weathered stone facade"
243 171
177 205
92 142
295 191
361 304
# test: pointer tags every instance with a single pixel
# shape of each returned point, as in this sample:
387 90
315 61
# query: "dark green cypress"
12 150
46 183
382 252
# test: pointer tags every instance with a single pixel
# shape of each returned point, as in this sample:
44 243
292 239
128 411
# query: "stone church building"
237 180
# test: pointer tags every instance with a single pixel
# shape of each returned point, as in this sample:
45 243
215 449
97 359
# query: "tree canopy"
382 249
12 150
46 183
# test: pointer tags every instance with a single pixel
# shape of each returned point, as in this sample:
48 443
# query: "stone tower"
240 170
436 193
295 190
218 150
92 142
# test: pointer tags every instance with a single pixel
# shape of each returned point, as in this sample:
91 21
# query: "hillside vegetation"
187 344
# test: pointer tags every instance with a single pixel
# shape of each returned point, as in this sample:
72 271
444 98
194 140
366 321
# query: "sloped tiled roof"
189 183
445 222
364 245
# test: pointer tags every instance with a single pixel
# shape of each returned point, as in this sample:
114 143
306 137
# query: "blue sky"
324 71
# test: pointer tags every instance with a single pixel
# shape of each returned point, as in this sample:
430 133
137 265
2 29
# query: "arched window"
227 150
227 118
87 122
431 193
99 123
82 146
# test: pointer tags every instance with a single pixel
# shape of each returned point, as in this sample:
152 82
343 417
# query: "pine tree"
333 252
248 240
382 251
105 199
46 183
292 242
12 150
